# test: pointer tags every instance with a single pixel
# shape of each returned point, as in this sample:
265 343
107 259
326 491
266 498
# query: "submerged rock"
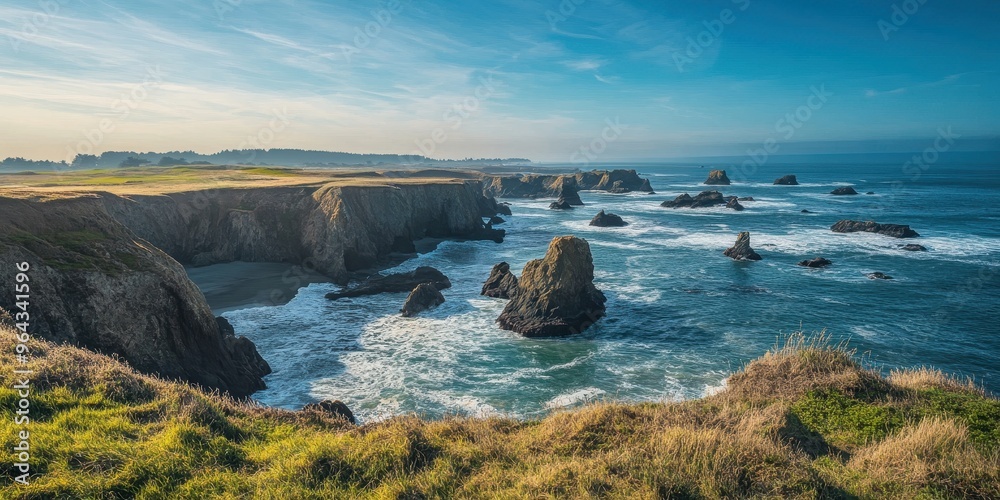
746 198
741 250
914 248
894 230
332 408
395 283
804 211
817 262
502 284
735 205
560 204
556 294
879 276
717 178
788 180
422 298
603 219
704 199
870 192
844 190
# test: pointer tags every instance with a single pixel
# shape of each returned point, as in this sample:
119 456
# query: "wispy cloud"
902 90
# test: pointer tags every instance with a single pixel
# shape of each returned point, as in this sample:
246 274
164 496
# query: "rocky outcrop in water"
788 180
894 230
425 296
735 205
741 250
815 263
844 191
717 178
502 284
336 409
395 283
603 219
879 276
556 294
553 186
560 204
914 248
703 200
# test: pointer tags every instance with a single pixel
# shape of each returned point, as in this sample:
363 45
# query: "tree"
167 161
132 161
85 161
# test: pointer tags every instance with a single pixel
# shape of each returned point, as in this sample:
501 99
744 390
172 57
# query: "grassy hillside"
804 420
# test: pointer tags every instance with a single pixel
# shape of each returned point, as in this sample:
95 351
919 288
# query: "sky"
550 80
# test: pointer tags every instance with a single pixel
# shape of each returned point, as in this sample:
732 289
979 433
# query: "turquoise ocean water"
681 316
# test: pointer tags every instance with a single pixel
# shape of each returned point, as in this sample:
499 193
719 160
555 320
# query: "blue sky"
504 78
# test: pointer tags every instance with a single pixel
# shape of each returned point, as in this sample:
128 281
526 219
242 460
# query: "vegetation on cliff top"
807 419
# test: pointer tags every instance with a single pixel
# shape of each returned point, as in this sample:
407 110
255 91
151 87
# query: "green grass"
103 431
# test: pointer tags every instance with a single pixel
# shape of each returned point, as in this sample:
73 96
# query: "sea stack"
560 204
815 263
425 296
843 191
788 180
502 284
603 219
741 250
556 294
717 178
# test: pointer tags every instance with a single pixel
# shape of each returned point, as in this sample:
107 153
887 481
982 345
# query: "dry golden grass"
166 180
934 454
930 378
105 431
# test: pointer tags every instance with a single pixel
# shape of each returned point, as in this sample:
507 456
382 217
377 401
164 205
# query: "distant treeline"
277 157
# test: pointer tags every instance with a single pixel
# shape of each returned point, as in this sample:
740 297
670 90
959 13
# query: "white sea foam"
574 398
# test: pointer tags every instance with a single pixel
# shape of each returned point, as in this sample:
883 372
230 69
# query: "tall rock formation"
717 178
741 250
501 284
556 294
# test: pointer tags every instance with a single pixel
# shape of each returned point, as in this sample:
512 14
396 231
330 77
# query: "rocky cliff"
107 271
95 283
554 186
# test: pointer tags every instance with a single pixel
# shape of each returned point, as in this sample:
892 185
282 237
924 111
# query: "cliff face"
94 283
106 274
551 186
335 229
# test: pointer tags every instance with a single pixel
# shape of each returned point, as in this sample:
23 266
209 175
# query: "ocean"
681 316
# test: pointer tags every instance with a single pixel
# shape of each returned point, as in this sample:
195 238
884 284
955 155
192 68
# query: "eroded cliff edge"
107 271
